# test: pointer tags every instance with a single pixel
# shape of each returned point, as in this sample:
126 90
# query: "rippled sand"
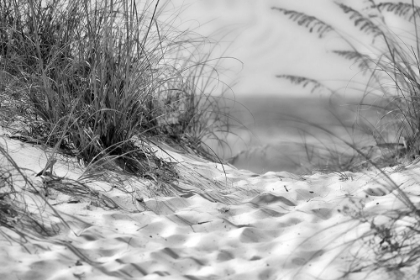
225 223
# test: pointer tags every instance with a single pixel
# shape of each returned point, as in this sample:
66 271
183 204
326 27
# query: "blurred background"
279 117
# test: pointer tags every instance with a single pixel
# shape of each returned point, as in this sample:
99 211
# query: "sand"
220 223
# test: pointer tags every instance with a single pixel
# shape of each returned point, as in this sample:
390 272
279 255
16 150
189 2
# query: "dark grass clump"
106 82
88 76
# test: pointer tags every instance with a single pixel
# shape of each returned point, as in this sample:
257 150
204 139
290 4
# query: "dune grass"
88 76
392 67
390 64
101 81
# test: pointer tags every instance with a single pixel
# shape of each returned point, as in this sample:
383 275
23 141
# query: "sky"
264 43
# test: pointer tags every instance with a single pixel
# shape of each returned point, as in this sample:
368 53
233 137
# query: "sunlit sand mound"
220 223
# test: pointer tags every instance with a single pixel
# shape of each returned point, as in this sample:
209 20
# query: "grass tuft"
89 76
102 81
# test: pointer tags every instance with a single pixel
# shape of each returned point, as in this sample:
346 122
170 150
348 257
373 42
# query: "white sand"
272 226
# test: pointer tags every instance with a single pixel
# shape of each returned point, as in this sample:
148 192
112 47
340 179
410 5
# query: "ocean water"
295 134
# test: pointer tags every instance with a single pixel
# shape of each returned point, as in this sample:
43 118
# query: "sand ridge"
224 223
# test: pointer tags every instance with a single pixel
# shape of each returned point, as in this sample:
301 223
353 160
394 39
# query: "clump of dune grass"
390 64
102 81
106 82
88 76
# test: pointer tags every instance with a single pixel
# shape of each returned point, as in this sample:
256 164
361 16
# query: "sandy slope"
225 224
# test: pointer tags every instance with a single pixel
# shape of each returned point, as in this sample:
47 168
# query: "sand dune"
223 223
